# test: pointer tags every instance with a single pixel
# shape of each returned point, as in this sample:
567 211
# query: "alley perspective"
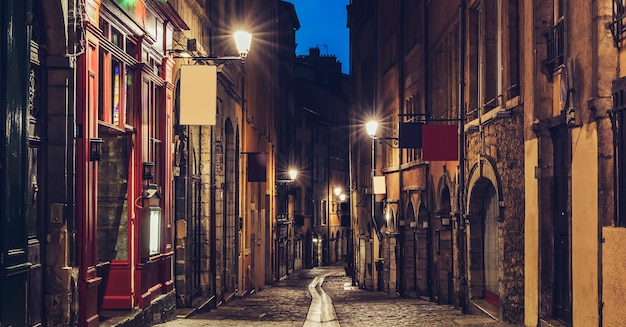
324 296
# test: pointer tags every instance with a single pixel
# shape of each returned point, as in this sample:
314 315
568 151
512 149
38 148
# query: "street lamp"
371 128
293 173
242 41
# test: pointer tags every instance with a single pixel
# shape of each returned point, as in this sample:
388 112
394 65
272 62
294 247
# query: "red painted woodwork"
86 175
130 283
492 298
118 295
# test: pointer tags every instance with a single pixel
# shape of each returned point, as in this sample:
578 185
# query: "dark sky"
323 25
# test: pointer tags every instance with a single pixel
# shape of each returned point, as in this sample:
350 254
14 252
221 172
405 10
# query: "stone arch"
483 214
54 29
445 199
483 169
50 71
446 206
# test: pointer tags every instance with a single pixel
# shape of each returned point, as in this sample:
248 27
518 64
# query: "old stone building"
226 208
523 221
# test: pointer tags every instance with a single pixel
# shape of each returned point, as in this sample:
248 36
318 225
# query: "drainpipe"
400 213
461 190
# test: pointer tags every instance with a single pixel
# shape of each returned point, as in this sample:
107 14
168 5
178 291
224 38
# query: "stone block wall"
502 143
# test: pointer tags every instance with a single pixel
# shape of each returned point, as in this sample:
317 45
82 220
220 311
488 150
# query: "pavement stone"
287 303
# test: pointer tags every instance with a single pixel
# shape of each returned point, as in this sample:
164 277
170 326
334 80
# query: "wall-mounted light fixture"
95 149
372 129
243 40
293 173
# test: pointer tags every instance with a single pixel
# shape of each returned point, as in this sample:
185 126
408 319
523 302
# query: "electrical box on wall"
56 213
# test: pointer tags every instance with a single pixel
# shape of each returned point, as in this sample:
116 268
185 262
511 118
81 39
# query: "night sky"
323 25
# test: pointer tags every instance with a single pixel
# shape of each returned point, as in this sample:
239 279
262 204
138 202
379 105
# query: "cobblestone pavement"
287 304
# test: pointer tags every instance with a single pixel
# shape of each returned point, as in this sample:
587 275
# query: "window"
115 79
413 30
514 52
618 120
617 26
491 82
555 48
323 212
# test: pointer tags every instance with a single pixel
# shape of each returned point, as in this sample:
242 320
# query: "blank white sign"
198 95
379 185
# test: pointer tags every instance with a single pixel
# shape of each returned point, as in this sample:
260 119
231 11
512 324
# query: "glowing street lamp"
293 173
371 128
242 41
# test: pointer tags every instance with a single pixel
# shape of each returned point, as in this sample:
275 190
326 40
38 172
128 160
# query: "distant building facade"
321 149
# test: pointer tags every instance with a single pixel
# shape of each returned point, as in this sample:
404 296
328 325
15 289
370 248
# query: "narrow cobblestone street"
289 303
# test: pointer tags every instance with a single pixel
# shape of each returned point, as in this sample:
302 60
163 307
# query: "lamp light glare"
293 174
371 128
242 40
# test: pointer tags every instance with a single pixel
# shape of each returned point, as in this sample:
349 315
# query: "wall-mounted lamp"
95 149
293 173
372 127
148 170
242 42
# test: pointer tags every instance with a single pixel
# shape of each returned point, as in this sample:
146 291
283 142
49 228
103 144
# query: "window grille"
617 26
618 121
555 48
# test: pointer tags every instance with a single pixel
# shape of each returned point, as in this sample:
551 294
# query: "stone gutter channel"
321 312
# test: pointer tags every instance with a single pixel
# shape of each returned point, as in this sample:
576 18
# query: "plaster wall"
531 235
585 226
613 277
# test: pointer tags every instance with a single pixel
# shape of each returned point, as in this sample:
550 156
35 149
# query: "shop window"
113 208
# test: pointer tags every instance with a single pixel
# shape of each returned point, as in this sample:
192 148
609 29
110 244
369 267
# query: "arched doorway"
483 243
424 253
409 248
445 292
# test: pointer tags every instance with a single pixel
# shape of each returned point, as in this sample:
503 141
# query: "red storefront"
124 157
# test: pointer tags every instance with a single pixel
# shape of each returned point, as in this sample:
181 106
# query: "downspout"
461 190
594 91
351 264
400 213
426 57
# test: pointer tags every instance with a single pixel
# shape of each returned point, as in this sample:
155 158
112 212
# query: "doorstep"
485 308
160 310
